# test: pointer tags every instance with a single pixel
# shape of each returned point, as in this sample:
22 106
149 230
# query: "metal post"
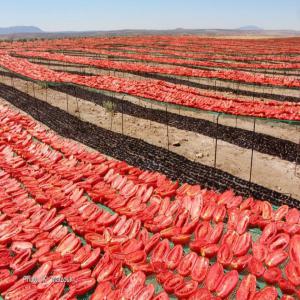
167 122
111 117
252 150
77 104
216 143
150 122
67 98
123 114
36 102
297 159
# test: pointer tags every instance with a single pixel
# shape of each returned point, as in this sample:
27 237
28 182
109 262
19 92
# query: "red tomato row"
44 182
235 75
285 49
158 91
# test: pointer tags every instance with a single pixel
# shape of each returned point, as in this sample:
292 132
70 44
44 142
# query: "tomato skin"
152 242
82 253
187 289
101 291
294 250
145 293
286 286
292 272
268 233
201 294
133 285
170 232
91 259
210 250
25 291
247 288
256 267
187 263
243 222
242 244
173 282
230 238
174 257
7 282
161 296
6 258
83 286
225 255
43 271
108 270
260 251
137 257
162 276
69 244
219 213
25 267
20 246
287 297
279 242
146 268
214 277
272 275
275 258
241 262
268 292
181 239
190 227
78 275
216 233
202 230
200 269
227 284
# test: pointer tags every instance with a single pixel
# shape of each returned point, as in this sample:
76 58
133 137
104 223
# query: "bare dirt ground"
268 171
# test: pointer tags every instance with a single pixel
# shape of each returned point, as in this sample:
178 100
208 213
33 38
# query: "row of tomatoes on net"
155 90
234 75
151 213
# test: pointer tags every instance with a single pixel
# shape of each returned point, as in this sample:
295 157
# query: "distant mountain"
20 29
31 32
250 27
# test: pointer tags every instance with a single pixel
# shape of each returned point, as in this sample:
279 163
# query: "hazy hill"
30 32
20 29
250 27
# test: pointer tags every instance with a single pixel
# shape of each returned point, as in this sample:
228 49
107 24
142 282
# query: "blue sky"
56 15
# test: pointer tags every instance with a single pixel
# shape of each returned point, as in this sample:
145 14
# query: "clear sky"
59 15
